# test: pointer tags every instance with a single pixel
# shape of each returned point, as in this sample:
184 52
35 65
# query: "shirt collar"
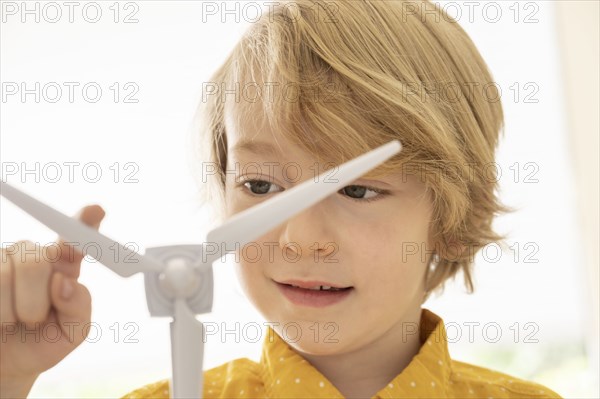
286 374
428 372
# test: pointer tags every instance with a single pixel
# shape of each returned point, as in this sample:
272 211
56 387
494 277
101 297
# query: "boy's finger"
73 305
67 256
7 314
30 289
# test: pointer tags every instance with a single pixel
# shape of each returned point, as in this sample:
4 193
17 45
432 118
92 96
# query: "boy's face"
343 240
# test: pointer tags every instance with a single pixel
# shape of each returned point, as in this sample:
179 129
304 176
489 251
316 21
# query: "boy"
312 85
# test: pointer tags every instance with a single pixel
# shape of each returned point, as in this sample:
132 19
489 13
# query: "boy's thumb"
91 215
73 305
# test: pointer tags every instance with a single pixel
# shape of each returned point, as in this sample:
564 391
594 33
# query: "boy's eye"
358 192
354 192
260 186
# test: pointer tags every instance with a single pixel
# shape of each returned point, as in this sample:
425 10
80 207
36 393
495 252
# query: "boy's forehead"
248 133
250 137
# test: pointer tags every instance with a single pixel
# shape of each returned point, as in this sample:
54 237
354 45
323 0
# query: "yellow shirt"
283 373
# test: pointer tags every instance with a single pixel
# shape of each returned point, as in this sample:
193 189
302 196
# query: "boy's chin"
324 344
309 347
318 337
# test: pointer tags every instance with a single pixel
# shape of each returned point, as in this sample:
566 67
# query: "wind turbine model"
179 278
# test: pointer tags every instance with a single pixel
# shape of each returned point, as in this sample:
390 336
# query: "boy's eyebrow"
256 147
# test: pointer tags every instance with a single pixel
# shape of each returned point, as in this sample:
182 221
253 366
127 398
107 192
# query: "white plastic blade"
187 353
251 223
112 254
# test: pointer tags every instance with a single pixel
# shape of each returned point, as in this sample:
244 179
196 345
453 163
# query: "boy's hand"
43 309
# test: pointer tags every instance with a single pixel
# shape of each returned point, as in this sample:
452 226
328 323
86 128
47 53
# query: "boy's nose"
308 235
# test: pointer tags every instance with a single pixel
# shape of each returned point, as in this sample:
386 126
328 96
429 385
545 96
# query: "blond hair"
364 73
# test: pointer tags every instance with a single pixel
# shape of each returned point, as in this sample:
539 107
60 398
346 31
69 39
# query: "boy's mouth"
321 288
315 285
316 294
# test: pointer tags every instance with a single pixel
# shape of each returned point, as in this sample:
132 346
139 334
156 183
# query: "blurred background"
97 100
